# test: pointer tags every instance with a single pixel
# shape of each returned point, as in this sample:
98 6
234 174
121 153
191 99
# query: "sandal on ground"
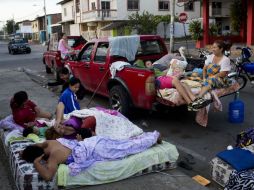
189 159
184 165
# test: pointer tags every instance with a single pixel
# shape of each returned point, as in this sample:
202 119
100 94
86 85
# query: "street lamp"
45 13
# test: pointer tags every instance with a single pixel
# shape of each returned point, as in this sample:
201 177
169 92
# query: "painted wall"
152 7
35 26
25 29
74 30
69 7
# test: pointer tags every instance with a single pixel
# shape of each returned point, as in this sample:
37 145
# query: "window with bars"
93 6
77 6
105 5
216 8
163 5
189 6
133 4
65 12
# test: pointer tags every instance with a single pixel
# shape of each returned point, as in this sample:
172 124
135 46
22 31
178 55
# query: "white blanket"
108 125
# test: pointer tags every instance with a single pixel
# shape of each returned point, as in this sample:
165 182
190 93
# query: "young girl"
25 111
68 100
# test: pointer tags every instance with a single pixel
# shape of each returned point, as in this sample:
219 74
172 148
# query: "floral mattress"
157 158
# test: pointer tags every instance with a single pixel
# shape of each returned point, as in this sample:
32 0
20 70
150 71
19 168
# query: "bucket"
236 110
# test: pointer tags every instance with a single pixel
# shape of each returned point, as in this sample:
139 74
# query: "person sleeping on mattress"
71 128
80 155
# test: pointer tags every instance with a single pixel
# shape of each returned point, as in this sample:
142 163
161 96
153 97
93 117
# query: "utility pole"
45 24
172 19
13 25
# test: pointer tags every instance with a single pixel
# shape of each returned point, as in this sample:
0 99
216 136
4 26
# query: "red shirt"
24 114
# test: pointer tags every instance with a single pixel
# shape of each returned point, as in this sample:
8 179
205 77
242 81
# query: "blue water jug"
236 110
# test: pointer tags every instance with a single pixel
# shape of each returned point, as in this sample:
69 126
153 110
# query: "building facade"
100 18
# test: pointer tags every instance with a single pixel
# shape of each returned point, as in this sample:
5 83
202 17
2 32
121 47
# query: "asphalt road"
177 125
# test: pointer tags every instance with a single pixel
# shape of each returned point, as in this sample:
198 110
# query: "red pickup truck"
52 57
132 86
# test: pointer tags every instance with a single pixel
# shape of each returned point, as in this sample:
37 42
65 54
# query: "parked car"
132 86
52 57
18 46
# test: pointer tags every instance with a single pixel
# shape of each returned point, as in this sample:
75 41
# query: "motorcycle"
243 68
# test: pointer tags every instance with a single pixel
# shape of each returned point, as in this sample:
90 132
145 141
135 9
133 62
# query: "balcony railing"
216 11
99 14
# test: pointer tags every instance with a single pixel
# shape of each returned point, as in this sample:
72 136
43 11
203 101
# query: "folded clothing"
238 158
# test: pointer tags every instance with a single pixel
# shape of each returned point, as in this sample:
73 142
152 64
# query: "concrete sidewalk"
13 81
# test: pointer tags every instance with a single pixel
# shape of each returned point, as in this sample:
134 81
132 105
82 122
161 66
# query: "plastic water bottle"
236 110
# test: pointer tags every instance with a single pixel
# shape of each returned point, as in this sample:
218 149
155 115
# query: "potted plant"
196 32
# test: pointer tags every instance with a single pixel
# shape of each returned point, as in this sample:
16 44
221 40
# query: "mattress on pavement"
157 158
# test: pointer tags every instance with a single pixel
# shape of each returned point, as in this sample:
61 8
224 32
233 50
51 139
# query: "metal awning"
113 25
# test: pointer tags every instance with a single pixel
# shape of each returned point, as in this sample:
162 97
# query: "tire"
57 75
48 70
119 100
241 79
12 52
81 92
28 50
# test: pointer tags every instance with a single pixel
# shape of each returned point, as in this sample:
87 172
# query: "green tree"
145 23
213 29
237 14
10 25
195 30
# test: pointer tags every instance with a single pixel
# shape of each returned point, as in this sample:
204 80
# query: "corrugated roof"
63 2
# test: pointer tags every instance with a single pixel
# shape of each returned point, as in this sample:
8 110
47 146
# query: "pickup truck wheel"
119 100
28 50
48 70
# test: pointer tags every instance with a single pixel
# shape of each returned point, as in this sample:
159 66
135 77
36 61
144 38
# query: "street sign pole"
186 39
183 18
172 19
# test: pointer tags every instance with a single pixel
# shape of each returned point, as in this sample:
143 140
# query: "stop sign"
183 17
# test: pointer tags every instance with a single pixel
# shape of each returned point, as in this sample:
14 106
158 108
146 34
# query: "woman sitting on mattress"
215 72
25 111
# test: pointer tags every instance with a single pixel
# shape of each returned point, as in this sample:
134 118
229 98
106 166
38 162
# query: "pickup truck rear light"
58 58
150 85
